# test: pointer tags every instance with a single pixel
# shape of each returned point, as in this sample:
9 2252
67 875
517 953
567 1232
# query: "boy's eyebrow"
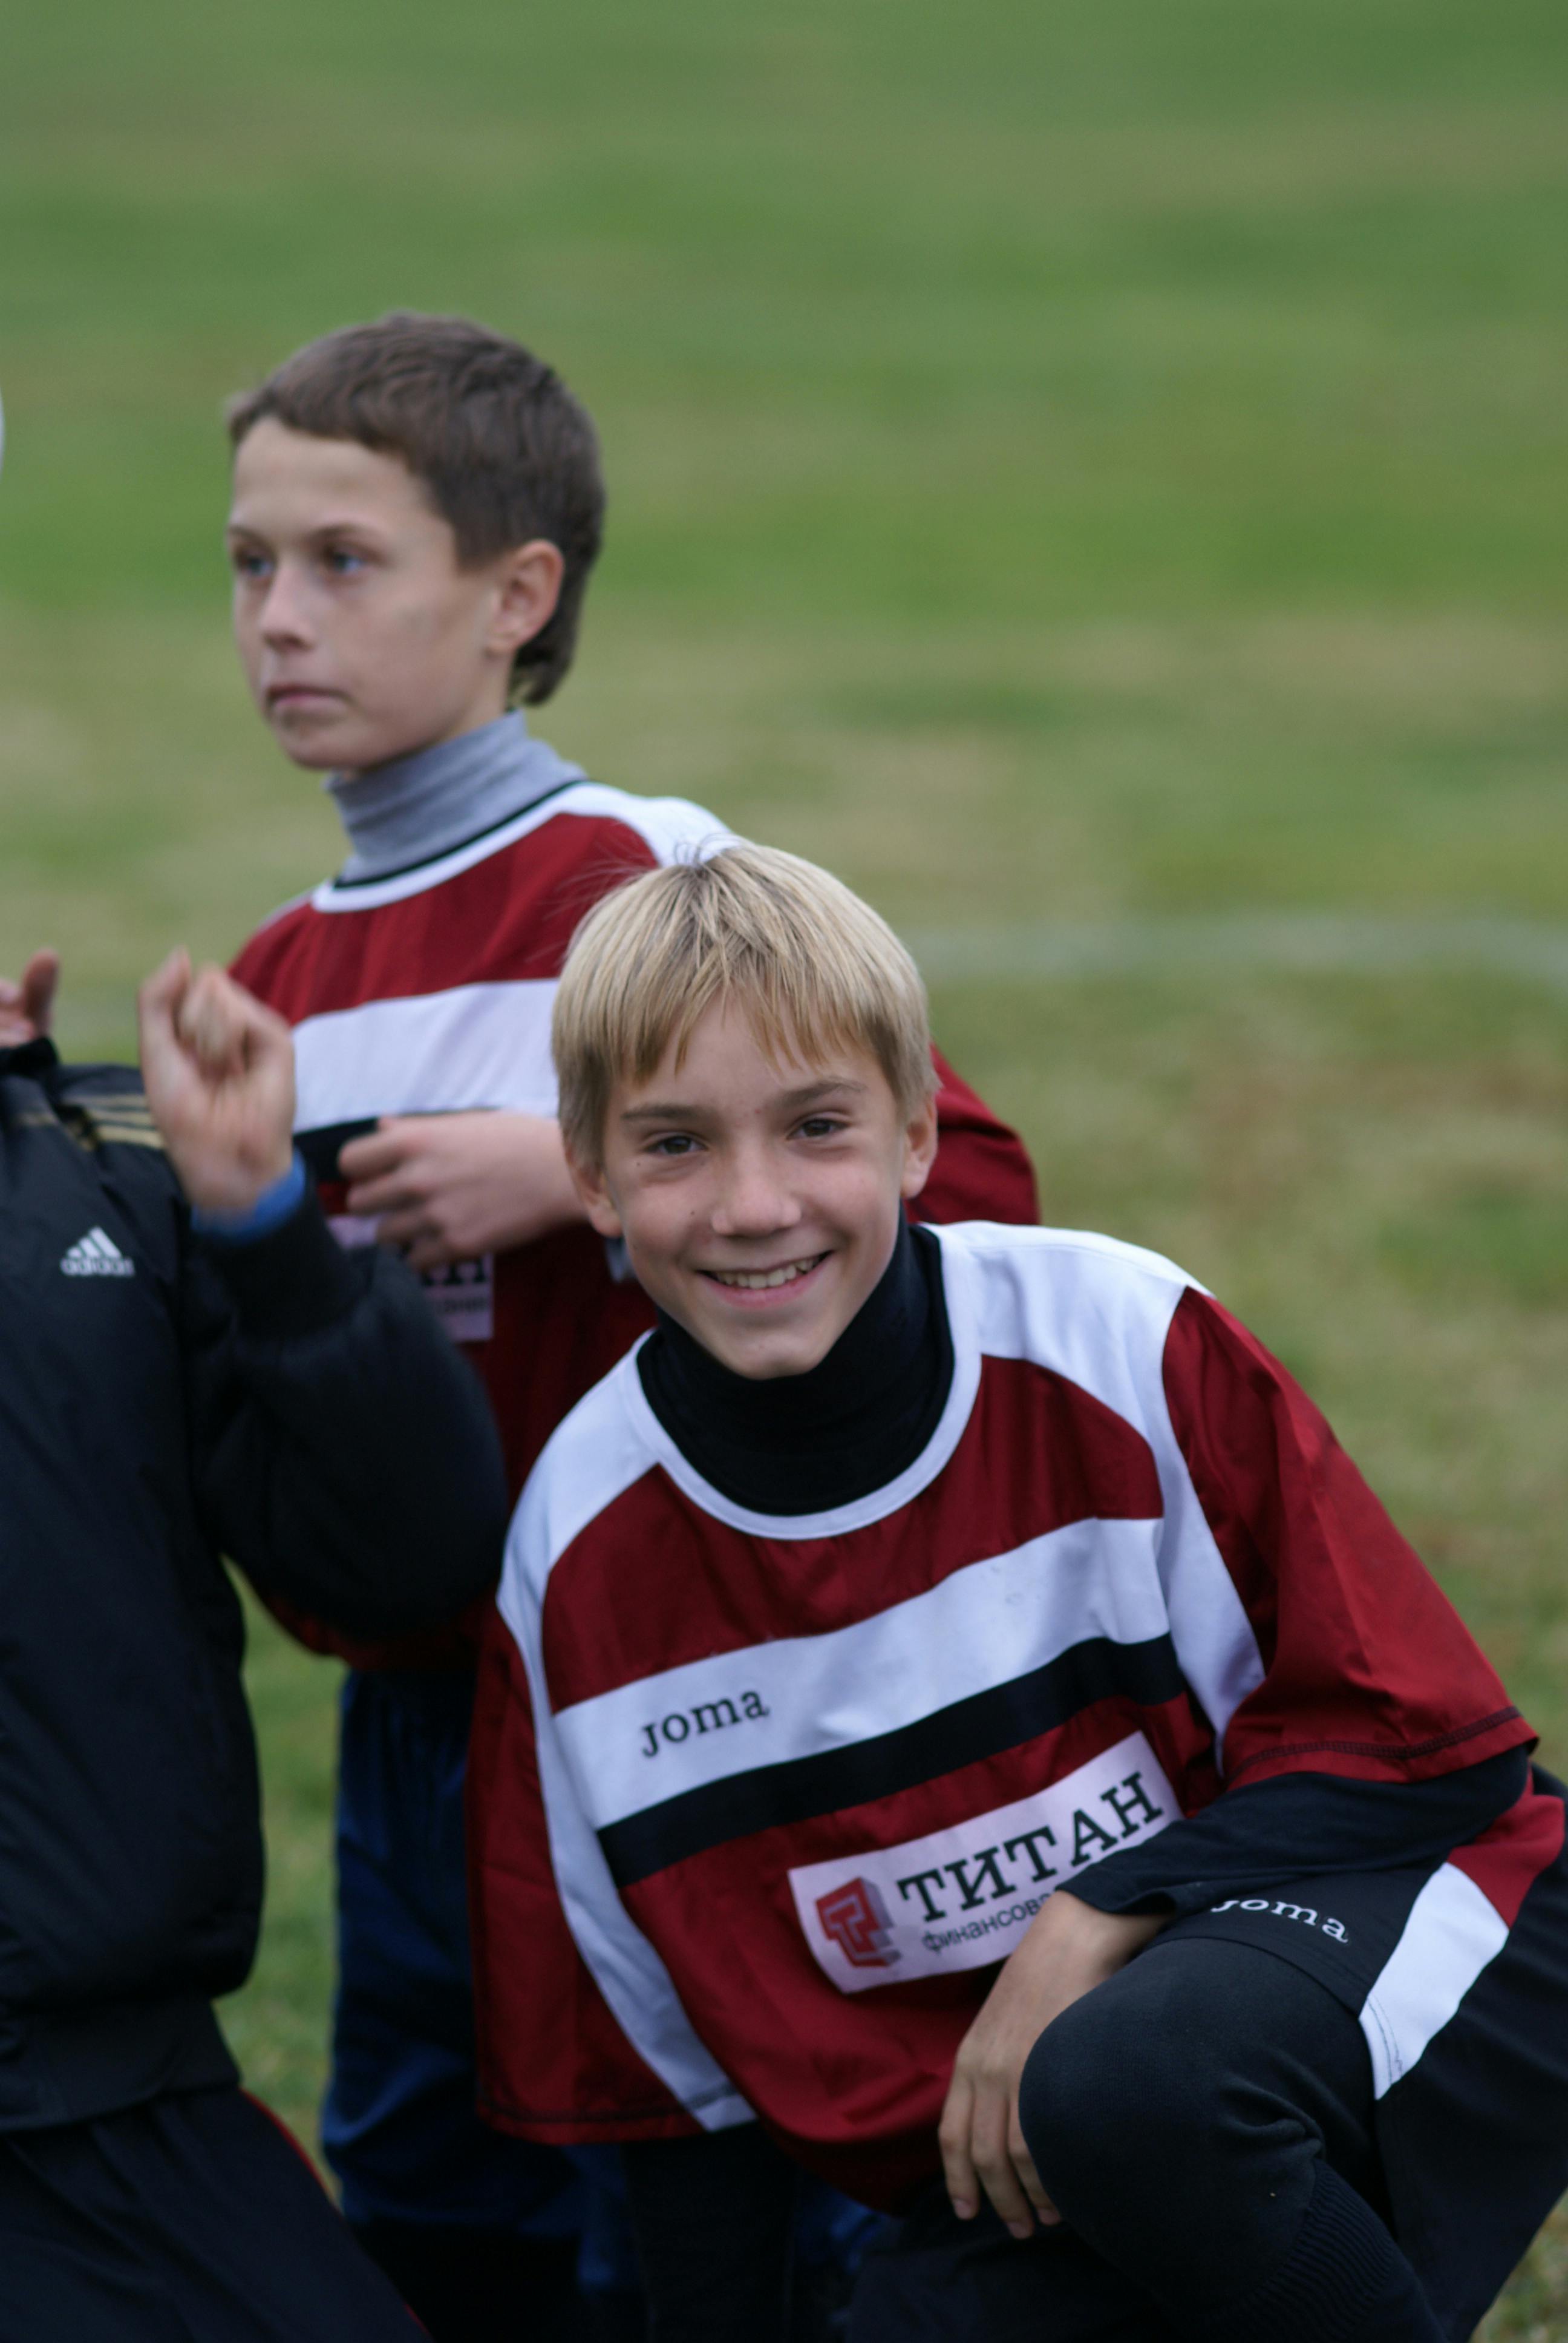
236 526
677 1110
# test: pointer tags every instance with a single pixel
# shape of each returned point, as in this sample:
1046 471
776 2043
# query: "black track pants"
1203 2122
189 2219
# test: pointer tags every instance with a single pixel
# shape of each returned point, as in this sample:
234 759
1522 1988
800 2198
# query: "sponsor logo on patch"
962 1897
856 1919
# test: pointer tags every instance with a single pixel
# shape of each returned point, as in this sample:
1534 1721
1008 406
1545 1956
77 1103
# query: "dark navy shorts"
190 2217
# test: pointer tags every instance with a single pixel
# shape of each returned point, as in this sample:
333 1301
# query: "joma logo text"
1305 1912
708 1716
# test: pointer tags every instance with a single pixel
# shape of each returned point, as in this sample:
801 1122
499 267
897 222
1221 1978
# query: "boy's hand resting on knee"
1068 1949
448 1187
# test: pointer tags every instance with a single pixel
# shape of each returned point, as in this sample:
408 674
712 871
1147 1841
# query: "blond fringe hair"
810 965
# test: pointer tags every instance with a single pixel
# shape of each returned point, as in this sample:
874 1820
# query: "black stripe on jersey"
981 1727
319 1147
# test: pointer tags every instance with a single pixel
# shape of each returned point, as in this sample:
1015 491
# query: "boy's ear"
593 1194
528 587
920 1150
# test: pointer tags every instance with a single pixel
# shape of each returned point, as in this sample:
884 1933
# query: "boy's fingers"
159 998
40 980
389 1193
954 2139
209 1022
379 1151
1029 2179
995 2166
168 980
226 1029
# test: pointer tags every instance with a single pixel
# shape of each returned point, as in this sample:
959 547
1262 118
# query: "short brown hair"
805 960
504 450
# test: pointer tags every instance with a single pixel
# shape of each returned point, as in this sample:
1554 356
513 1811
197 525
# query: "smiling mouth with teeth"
754 1281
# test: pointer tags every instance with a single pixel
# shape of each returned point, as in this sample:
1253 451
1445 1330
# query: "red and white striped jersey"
805 1778
431 990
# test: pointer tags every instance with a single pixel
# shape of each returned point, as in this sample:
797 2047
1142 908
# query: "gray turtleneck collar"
413 808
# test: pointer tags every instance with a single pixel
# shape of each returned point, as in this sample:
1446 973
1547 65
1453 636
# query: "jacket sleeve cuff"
270 1209
293 1278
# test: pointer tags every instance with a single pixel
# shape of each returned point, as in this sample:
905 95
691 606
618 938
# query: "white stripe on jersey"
1452 1933
1101 1317
476 1045
669 826
979 1628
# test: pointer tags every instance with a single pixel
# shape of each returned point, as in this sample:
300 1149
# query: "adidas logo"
96 1255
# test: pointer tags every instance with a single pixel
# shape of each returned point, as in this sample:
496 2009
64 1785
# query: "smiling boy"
416 509
912 1601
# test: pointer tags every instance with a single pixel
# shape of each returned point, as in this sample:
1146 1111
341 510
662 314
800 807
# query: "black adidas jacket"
163 1402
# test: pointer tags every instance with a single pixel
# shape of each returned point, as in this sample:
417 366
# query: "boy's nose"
754 1202
282 615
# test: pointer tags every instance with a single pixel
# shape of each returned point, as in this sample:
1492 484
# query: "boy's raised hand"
219 1075
28 1006
448 1187
1068 1949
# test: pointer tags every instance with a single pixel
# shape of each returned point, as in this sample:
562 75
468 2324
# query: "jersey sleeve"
1367 1670
1298 1826
982 1170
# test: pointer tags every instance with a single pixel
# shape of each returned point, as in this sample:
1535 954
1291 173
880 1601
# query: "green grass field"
1093 472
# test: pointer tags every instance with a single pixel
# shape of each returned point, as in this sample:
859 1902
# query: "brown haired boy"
416 507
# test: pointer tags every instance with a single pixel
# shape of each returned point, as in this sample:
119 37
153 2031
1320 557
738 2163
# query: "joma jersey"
431 992
806 1779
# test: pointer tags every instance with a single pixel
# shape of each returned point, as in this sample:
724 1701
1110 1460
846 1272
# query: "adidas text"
96 1255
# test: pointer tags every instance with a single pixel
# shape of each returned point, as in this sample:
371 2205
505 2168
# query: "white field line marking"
1304 943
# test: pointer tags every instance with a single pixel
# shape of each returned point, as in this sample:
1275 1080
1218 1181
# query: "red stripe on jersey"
504 920
1036 1455
1370 1670
1507 1860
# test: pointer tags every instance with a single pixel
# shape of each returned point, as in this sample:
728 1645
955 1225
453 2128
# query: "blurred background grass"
1094 473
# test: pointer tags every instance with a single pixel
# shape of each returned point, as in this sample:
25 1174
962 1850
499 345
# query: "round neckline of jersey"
958 1288
393 887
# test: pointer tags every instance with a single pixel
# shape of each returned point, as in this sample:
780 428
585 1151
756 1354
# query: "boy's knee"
1103 2101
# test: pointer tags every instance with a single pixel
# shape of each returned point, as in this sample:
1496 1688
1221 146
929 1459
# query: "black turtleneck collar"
804 1443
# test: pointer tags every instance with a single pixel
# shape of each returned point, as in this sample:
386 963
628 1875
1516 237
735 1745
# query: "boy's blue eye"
674 1142
820 1126
343 563
251 565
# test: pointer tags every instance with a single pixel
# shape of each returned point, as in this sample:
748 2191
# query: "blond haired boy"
902 1578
